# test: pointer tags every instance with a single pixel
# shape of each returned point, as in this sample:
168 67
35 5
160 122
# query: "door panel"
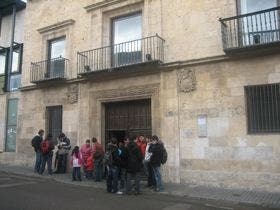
129 118
54 120
11 131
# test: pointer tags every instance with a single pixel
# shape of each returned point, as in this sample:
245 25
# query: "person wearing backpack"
98 153
156 149
36 143
112 163
47 147
134 166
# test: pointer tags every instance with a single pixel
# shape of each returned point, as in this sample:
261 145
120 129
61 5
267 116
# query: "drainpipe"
10 62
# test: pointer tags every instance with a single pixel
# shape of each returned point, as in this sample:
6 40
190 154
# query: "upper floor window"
248 6
56 58
263 108
16 61
2 63
127 32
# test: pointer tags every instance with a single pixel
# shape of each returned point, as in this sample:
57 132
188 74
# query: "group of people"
123 161
44 150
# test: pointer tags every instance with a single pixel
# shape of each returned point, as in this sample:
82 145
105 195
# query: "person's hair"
155 138
41 131
49 136
75 151
114 140
62 135
87 141
94 140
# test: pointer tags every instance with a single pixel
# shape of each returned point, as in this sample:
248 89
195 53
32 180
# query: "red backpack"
45 147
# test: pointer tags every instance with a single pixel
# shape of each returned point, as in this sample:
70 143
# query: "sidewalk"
244 197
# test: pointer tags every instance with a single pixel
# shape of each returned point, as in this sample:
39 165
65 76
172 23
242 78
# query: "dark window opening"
263 108
54 120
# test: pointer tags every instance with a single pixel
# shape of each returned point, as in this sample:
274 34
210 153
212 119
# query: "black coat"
116 161
156 150
36 143
134 163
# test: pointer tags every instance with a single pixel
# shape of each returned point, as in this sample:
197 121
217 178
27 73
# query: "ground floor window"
11 131
263 108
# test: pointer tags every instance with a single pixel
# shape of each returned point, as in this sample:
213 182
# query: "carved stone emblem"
72 94
186 81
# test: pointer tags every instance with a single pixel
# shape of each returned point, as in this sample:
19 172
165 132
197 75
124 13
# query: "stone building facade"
198 83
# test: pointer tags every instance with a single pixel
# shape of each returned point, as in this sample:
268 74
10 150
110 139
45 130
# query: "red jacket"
98 147
89 164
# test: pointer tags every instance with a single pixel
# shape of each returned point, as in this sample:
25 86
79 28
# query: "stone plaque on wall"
202 125
186 80
72 94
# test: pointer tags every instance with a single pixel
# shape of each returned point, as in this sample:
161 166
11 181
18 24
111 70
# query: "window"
263 108
127 32
16 61
56 58
259 28
2 63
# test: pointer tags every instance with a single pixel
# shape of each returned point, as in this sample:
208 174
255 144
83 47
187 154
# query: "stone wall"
228 156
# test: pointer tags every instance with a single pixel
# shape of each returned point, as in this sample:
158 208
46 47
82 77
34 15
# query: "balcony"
49 70
248 32
147 50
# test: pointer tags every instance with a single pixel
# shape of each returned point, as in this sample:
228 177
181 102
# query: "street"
25 193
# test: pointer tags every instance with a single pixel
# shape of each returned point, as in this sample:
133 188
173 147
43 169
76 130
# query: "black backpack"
164 155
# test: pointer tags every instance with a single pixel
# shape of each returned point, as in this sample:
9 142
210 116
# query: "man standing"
156 149
133 167
98 153
47 147
62 153
36 143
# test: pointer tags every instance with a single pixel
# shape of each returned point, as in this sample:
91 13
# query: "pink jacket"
80 160
86 151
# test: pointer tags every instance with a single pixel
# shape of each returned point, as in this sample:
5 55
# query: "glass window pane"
57 48
127 28
12 112
248 6
2 64
15 66
15 82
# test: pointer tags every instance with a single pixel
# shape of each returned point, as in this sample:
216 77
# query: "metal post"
10 62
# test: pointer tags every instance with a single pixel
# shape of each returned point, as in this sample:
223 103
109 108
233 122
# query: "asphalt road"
25 193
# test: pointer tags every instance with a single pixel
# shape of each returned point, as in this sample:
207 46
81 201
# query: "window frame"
238 6
4 52
125 16
49 45
249 109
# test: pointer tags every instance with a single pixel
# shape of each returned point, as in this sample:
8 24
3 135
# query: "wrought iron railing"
257 28
149 49
49 69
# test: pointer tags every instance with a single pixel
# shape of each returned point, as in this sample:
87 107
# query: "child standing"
77 162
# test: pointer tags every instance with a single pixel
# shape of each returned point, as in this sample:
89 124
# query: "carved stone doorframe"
99 98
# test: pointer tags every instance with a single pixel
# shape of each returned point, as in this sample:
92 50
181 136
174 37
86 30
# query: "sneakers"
119 193
138 193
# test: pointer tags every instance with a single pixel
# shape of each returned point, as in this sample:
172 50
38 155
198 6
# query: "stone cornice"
56 26
106 3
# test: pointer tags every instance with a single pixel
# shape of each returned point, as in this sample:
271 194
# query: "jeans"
122 177
151 176
38 162
98 170
46 159
76 173
137 181
112 178
157 175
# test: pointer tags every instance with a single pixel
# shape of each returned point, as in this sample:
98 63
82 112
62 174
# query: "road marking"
16 184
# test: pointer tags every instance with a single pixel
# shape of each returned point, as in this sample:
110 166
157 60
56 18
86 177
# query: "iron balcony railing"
56 68
252 29
149 49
